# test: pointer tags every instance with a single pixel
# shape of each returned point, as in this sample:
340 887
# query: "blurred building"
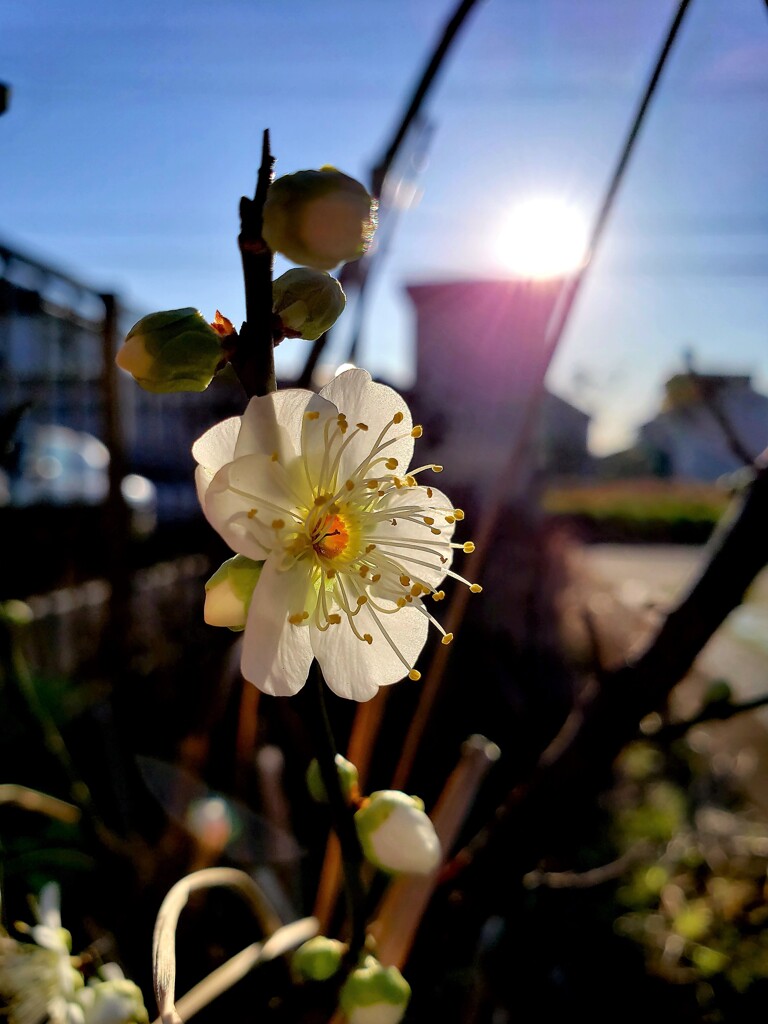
480 359
689 437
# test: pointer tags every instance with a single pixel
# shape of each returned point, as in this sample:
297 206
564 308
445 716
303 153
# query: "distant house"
688 438
480 359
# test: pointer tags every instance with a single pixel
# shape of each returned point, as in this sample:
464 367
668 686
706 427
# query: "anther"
278 524
447 639
391 463
439 595
296 619
312 415
434 530
411 481
330 573
450 519
350 485
468 547
368 638
362 600
361 426
334 619
437 469
417 431
252 512
376 577
370 548
405 580
401 602
458 514
417 590
363 570
428 520
372 484
430 492
274 456
475 588
397 418
414 675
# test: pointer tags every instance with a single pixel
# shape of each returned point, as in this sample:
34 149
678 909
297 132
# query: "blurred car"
60 466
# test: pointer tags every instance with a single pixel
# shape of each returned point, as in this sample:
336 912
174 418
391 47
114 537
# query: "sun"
543 237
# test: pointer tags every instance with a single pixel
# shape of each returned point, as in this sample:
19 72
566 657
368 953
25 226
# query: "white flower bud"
117 1001
176 350
308 302
373 994
318 959
348 779
396 835
319 218
229 591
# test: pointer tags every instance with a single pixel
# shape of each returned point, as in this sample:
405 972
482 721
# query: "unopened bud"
229 591
318 959
308 302
117 1001
319 218
177 350
373 994
347 779
396 835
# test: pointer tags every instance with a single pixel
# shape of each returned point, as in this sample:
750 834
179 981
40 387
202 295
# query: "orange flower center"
330 537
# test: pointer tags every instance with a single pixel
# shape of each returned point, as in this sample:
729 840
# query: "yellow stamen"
475 588
278 524
468 547
414 675
447 639
397 418
417 431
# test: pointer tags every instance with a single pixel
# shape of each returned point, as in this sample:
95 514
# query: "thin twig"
41 803
589 879
164 939
342 815
511 473
717 711
384 164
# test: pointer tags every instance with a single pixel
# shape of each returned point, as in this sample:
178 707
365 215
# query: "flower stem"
341 813
254 359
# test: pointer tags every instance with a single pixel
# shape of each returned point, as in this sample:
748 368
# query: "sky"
134 129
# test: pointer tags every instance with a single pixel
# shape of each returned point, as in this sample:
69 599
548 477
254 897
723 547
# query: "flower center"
330 537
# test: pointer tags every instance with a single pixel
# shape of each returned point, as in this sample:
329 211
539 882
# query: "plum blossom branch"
253 359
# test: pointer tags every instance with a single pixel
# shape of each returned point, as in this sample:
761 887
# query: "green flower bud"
177 350
347 777
319 218
396 835
318 959
308 302
117 1001
373 994
229 591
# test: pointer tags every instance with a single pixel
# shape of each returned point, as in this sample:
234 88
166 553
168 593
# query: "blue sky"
135 128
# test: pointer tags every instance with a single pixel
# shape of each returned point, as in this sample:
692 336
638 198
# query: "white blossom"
318 488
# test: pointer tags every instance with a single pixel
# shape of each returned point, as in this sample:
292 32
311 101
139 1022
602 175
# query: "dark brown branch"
254 358
576 762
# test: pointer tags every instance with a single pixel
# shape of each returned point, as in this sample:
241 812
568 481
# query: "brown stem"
254 358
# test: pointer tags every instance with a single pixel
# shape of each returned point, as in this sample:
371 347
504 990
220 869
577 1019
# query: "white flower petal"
273 423
277 655
213 450
362 401
356 669
253 482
